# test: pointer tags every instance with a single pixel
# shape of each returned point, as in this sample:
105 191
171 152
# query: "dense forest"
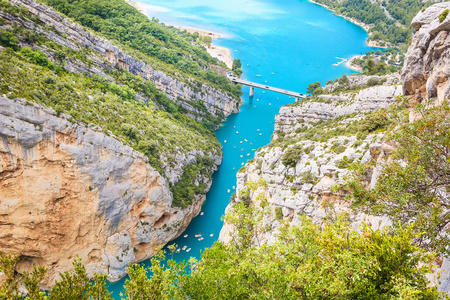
389 19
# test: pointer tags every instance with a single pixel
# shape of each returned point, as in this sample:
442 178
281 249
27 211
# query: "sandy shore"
221 53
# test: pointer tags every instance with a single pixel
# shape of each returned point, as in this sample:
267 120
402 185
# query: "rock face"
306 187
69 190
427 65
75 37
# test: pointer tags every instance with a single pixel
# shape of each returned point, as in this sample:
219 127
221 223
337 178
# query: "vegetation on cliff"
389 20
169 48
309 261
121 104
413 184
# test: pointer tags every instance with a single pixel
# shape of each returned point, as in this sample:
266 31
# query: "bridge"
254 85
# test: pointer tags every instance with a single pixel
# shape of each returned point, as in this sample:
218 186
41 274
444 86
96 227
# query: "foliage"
119 21
314 88
292 155
413 184
307 261
74 285
443 15
396 31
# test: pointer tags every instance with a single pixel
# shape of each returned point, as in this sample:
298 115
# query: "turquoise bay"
296 40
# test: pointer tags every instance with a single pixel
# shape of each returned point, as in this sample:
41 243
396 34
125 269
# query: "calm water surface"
286 44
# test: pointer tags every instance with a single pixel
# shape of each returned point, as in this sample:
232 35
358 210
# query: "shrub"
292 156
443 15
278 213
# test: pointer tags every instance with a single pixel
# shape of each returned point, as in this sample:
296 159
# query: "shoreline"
365 26
222 54
349 64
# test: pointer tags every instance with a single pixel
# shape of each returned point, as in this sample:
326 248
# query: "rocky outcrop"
427 65
305 189
109 56
327 107
68 190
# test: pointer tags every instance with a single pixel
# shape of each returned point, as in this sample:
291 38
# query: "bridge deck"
265 87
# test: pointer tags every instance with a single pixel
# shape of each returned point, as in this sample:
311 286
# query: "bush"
443 15
292 156
278 213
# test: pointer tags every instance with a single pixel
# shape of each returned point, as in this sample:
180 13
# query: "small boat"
237 132
228 191
234 168
201 214
242 155
184 248
251 143
248 154
241 142
242 149
185 236
198 235
234 187
178 250
260 134
258 75
201 239
234 147
247 65
257 129
271 73
264 91
211 235
245 140
270 103
242 164
225 141
189 249
265 81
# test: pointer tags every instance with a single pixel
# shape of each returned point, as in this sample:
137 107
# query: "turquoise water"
295 40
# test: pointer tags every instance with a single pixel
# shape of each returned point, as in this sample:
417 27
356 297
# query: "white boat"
200 239
211 235
234 187
178 250
258 75
248 154
242 155
270 103
245 140
237 132
189 249
257 129
228 191
225 141
198 235
241 142
260 134
201 214
184 248
242 149
185 236
242 164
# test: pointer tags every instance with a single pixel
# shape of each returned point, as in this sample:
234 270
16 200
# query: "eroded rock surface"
68 190
427 65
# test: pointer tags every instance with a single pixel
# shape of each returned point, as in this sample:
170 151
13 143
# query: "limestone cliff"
427 65
305 188
68 190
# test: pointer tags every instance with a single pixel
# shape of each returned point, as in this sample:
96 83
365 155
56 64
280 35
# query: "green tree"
414 182
313 87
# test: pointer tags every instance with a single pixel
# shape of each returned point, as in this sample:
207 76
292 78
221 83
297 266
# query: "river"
286 44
